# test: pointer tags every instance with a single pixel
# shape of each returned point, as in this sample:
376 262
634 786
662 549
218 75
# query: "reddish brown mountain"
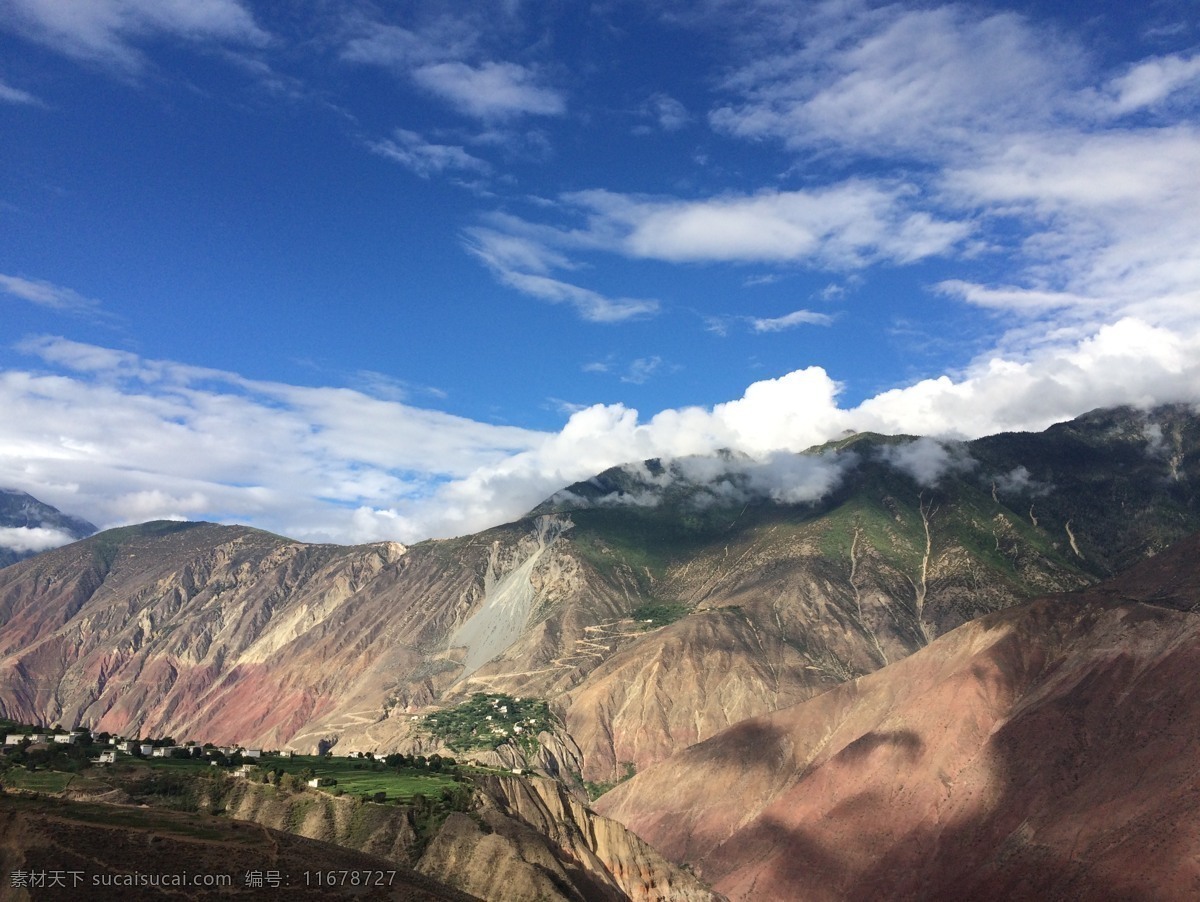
1046 752
650 607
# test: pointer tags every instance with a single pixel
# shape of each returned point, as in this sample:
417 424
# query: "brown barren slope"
89 851
1046 752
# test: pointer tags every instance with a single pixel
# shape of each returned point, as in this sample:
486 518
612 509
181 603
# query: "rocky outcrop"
531 839
522 839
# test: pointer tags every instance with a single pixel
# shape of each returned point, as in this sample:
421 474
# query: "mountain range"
842 639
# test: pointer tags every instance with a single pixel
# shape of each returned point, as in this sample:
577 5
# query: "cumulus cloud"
108 31
116 438
722 479
33 538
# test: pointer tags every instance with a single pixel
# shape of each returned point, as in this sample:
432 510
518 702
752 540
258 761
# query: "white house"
146 749
13 739
251 753
163 751
108 756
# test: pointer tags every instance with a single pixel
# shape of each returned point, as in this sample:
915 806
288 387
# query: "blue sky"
355 271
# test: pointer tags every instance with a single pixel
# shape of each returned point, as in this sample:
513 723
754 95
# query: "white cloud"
927 460
641 369
402 49
424 158
129 439
1112 221
1017 129
47 294
1019 481
524 263
590 305
491 90
844 226
1151 82
33 538
892 79
116 438
668 113
790 321
781 476
9 94
107 31
847 226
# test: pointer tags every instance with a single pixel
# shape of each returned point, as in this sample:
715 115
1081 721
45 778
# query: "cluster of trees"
489 721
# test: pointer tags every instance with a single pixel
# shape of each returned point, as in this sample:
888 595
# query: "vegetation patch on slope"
488 721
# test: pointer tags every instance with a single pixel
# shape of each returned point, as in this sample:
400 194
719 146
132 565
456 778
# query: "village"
50 759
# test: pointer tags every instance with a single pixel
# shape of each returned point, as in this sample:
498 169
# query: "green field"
38 780
402 784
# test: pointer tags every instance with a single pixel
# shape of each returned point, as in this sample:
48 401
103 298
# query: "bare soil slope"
1048 751
93 849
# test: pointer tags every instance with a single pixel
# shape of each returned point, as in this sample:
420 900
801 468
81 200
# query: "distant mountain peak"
29 526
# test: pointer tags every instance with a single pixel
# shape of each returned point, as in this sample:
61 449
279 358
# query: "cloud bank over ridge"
109 436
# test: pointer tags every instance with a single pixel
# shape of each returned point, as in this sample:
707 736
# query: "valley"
896 656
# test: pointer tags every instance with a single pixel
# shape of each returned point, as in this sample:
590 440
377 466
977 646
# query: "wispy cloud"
491 90
1152 82
892 79
590 305
524 263
448 57
641 370
994 121
667 114
109 32
844 227
9 94
790 321
47 294
424 158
